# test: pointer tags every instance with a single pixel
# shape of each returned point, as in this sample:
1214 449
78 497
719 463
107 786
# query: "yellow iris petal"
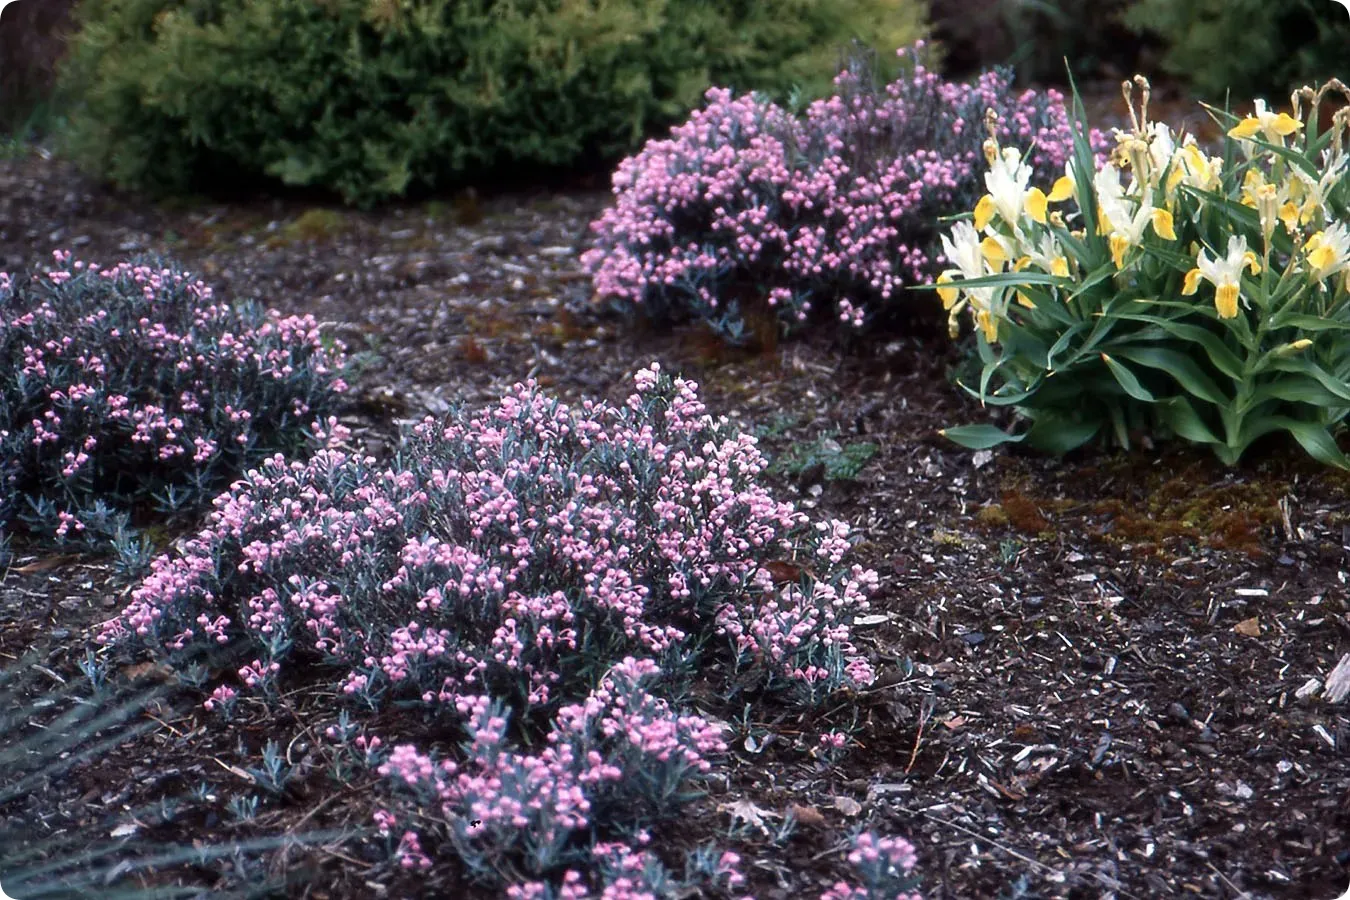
1192 283
1036 204
984 211
1162 224
988 324
1174 178
1226 301
1289 215
1322 257
1246 128
1059 266
1063 189
1249 260
948 295
1118 247
1025 300
1286 125
1021 264
993 252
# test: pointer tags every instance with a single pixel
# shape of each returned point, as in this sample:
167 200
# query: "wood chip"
847 805
1338 682
1249 627
1309 688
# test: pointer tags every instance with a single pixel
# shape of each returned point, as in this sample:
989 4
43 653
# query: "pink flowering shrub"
516 553
538 575
614 764
129 388
884 865
832 212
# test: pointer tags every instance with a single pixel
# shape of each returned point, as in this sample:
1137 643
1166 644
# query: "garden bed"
1089 669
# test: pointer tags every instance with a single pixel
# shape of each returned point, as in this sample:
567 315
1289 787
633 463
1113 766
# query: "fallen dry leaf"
806 815
141 671
784 572
954 722
44 565
1249 627
746 811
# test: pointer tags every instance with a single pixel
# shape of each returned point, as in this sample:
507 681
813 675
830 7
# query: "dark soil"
1091 667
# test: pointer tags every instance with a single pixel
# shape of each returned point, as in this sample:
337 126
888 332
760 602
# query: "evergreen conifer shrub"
375 98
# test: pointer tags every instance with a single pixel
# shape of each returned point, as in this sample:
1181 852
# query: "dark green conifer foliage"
373 99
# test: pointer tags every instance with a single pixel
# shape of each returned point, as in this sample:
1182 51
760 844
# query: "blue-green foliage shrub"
376 98
129 391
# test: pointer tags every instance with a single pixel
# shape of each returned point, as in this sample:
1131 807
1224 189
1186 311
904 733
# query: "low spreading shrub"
130 390
1206 298
375 99
528 569
749 207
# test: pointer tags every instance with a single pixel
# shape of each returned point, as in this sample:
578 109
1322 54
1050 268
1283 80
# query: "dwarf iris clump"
526 569
1176 293
748 206
130 390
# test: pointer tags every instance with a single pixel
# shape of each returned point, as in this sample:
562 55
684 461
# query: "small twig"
1237 890
925 711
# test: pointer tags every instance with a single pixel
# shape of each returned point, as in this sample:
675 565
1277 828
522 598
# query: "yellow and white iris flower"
970 258
1125 228
1225 274
1272 127
1008 195
1328 252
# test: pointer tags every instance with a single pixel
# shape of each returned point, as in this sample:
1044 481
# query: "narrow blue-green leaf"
1102 273
1003 279
1062 344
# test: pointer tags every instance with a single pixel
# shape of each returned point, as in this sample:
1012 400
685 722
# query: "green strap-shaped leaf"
980 437
1127 380
1315 439
1058 435
1306 322
1102 273
1293 389
1180 366
1182 418
1301 365
1224 359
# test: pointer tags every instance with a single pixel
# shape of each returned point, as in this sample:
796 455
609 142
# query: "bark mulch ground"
1097 672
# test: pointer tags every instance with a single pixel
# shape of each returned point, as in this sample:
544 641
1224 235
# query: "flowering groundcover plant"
748 206
128 388
527 571
1204 297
